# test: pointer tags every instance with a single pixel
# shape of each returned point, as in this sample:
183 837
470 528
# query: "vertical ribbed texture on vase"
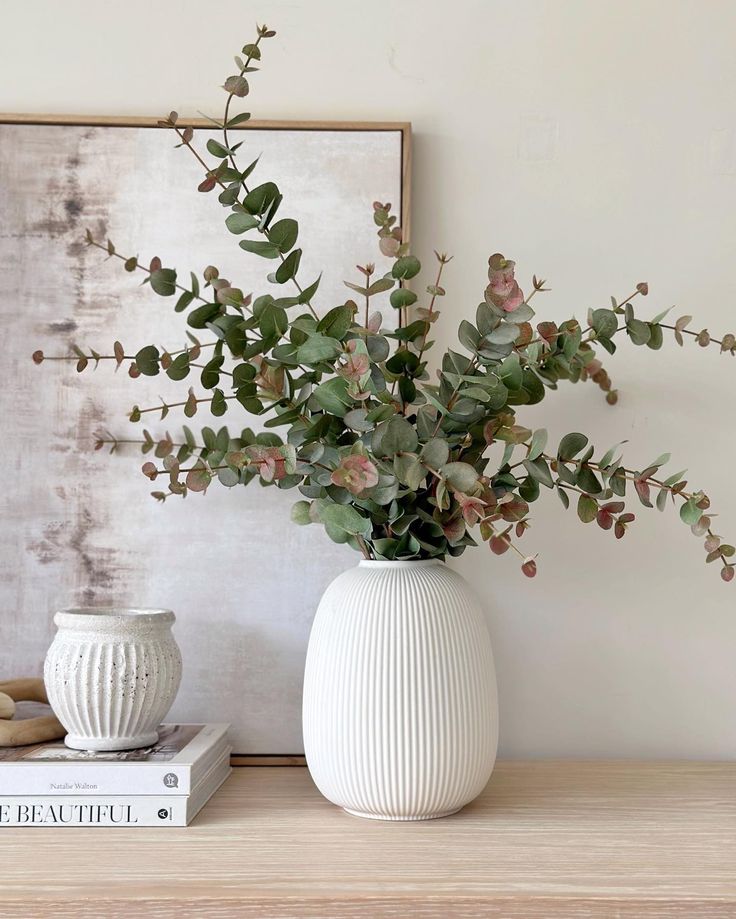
111 679
400 708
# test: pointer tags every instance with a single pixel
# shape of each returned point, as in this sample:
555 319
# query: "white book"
174 765
114 810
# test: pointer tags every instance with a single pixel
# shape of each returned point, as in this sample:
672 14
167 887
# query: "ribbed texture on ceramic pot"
400 706
112 677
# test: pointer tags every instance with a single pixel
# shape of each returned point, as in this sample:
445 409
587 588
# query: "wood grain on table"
546 839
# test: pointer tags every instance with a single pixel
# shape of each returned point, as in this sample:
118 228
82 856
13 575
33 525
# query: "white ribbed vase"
112 675
400 708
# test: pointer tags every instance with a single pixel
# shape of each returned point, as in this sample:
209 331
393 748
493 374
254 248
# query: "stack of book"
162 785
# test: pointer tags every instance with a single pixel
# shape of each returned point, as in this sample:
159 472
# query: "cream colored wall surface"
594 142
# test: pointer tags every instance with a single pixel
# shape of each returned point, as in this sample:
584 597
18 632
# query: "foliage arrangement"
387 460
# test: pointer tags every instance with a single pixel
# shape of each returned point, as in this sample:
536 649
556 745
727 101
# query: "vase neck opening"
376 563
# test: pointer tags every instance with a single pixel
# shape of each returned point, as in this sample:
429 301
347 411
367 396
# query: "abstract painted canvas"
79 527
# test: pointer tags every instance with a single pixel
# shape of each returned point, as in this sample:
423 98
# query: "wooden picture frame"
52 547
147 121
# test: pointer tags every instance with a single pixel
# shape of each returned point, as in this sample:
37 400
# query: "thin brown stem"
143 268
431 310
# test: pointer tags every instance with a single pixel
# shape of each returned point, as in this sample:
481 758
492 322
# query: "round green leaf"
571 445
147 360
163 282
406 267
402 297
461 476
283 234
240 222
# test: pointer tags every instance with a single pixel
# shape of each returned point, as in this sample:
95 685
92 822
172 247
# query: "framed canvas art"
78 527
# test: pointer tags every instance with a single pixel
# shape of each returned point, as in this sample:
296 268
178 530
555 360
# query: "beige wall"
595 142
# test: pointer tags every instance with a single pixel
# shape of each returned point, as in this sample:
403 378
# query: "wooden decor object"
22 731
7 706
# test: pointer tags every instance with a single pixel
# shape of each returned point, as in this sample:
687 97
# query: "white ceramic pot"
111 676
400 706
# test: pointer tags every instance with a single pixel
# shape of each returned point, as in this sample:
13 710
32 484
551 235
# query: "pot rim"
400 563
86 617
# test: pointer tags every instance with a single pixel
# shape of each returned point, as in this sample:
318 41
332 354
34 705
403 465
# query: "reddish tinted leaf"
529 568
207 184
499 544
604 520
526 333
548 331
149 469
164 447
701 527
727 573
642 489
198 478
356 473
454 530
236 86
514 510
190 408
38 357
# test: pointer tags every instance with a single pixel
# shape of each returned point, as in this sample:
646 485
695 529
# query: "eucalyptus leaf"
283 234
409 470
163 282
436 452
317 348
537 443
571 445
461 476
406 267
346 518
398 436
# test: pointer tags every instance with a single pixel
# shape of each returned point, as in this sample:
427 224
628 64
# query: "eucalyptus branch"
132 264
437 291
392 479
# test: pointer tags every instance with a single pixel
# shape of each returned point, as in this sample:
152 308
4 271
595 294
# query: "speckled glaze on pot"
112 675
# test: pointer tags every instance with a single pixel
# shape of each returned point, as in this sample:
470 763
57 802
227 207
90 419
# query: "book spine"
98 810
94 779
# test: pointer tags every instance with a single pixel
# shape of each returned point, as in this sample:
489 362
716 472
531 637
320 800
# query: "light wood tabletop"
546 839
